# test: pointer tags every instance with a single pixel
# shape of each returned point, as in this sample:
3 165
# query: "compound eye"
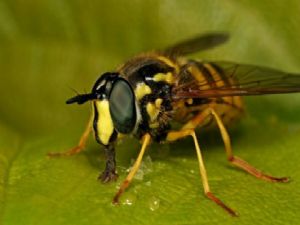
122 106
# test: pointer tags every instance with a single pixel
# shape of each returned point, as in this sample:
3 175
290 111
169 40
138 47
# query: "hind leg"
175 135
236 161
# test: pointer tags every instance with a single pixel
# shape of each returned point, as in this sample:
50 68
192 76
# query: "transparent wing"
197 44
238 80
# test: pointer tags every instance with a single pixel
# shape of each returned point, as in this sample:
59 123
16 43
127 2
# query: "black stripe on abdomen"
206 74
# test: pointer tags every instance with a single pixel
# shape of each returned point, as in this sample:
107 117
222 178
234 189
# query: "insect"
149 92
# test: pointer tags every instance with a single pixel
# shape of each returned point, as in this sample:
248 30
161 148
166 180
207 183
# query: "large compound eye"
122 106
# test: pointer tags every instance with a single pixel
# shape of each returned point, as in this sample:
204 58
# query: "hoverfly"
149 92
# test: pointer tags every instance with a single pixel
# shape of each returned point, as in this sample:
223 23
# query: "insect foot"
108 176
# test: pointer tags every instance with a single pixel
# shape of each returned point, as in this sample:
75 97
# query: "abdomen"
206 76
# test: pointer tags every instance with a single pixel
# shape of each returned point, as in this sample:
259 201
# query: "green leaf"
49 46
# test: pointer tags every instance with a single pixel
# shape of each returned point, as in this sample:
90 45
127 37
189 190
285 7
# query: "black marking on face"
103 85
96 117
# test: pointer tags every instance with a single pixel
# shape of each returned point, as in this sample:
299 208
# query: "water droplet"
154 203
122 169
118 185
129 199
145 168
139 174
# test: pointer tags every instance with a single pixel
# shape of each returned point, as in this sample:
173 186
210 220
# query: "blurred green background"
48 46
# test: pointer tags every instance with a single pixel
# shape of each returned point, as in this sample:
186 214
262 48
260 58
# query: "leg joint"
175 135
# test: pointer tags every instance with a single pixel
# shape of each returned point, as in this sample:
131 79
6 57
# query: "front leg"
109 173
80 146
146 141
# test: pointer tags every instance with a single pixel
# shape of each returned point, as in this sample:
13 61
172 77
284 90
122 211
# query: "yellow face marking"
169 63
142 90
167 77
105 125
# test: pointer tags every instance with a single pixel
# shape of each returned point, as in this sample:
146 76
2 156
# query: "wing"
230 79
197 44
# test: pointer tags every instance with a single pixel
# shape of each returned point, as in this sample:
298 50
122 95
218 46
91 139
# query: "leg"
80 145
226 139
109 173
239 162
174 135
146 140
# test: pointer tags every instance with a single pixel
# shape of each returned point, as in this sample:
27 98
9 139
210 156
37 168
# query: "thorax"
152 78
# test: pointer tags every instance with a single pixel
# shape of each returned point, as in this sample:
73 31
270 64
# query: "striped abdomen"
203 76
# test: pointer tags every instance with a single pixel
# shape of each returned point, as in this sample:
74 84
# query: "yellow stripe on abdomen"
199 77
219 82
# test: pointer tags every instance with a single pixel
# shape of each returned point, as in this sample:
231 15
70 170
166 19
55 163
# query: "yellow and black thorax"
152 77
